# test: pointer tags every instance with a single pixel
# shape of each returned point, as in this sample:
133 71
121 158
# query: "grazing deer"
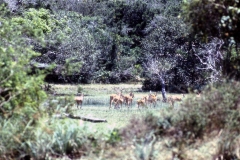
142 102
117 99
128 99
79 99
152 98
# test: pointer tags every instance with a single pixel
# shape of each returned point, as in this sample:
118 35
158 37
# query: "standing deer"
79 99
112 96
152 98
129 99
172 100
142 102
116 98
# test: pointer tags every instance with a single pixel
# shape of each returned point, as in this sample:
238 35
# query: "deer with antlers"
79 99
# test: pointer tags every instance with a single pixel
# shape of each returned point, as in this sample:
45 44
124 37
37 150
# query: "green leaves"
224 21
20 89
36 23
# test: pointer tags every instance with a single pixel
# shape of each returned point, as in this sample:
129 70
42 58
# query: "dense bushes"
223 23
20 91
216 112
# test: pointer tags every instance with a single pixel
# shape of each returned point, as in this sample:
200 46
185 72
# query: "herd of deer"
119 99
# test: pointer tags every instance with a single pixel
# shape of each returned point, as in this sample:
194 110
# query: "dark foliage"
217 19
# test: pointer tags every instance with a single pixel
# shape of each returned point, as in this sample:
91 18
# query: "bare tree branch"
210 57
158 68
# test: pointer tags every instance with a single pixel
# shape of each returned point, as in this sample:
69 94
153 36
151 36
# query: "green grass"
128 133
74 137
96 106
116 118
96 103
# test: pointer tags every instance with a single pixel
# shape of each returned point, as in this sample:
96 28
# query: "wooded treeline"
101 41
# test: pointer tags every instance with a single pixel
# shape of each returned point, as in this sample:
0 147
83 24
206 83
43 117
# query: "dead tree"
211 58
157 68
93 120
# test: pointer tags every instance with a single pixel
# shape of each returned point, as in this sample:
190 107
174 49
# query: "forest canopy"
114 41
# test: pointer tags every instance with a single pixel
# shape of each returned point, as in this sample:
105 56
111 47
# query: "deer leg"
81 105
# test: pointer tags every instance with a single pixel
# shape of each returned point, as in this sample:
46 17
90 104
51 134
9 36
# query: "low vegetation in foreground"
199 127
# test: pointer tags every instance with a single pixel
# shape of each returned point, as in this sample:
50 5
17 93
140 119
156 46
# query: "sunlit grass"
96 106
96 103
116 118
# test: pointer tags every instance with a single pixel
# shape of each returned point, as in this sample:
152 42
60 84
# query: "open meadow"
96 105
199 127
96 102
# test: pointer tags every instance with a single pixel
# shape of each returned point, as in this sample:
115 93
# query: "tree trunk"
163 89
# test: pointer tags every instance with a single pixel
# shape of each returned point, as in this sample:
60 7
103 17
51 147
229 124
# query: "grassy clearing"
197 129
116 118
96 103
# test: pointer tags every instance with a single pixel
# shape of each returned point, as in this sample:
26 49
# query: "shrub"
20 91
216 111
139 128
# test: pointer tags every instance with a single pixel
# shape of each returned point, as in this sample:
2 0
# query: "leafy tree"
36 23
100 45
214 18
20 90
166 44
